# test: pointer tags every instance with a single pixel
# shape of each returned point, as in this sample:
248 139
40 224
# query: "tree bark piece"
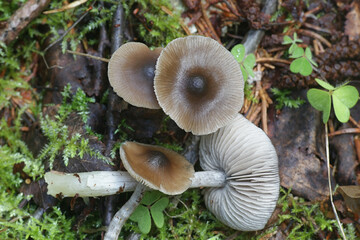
21 18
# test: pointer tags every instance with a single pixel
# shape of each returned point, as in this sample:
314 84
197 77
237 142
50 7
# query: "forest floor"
58 111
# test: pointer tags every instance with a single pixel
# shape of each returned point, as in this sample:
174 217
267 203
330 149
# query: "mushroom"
240 176
157 167
249 160
199 84
131 72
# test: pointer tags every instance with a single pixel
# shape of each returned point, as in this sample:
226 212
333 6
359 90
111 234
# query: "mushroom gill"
249 160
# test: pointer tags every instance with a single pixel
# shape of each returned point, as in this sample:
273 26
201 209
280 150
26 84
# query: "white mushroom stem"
104 183
124 213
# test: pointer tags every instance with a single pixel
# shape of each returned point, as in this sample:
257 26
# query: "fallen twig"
315 35
21 18
345 131
88 55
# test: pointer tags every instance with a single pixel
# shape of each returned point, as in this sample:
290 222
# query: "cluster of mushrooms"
198 83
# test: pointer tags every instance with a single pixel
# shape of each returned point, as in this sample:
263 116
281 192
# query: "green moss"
156 27
53 225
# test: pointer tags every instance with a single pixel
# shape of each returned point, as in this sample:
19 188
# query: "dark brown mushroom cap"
131 73
157 167
199 84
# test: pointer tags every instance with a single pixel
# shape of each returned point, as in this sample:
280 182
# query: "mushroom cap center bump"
131 73
157 160
199 84
157 167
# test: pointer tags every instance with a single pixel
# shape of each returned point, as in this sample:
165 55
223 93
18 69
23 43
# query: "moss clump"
154 25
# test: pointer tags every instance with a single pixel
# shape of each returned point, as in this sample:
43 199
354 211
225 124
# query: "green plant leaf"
141 215
151 197
302 66
238 51
308 55
321 101
287 40
244 73
249 63
342 112
348 95
297 52
157 211
324 84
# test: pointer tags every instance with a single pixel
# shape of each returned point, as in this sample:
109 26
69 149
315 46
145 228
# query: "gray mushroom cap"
131 72
250 163
199 84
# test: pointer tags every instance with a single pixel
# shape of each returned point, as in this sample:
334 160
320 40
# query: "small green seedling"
288 40
152 203
344 97
303 62
246 63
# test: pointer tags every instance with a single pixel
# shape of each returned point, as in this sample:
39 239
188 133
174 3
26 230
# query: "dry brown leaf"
66 7
352 24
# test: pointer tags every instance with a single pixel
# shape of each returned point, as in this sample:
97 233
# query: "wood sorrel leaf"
244 73
324 84
342 112
302 66
297 52
141 215
321 101
348 95
157 211
238 52
150 197
287 40
308 55
249 63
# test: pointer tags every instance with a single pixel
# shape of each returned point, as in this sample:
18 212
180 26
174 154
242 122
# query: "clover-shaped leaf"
249 63
238 51
246 63
324 84
141 215
157 209
321 101
301 65
308 56
150 197
288 40
151 203
298 52
344 97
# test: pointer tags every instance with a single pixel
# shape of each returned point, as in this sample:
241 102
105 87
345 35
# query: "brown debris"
352 23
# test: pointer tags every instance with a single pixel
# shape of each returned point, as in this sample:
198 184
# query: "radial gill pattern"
248 158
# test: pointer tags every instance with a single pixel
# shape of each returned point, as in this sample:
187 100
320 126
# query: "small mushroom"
131 72
249 160
157 167
199 84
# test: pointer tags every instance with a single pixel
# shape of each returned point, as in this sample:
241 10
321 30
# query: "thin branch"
124 213
344 131
88 55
